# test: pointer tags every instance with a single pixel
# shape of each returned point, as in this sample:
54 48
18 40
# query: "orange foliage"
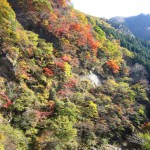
146 126
75 26
93 45
53 18
85 36
51 105
70 29
113 66
62 2
66 57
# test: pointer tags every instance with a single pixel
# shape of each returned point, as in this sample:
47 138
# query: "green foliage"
140 92
63 128
25 99
46 3
29 119
146 138
33 38
67 109
44 48
10 137
140 48
100 32
125 91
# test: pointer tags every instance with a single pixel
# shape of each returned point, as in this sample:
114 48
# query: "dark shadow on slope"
6 68
27 23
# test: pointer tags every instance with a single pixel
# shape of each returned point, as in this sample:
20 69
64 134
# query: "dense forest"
140 48
70 81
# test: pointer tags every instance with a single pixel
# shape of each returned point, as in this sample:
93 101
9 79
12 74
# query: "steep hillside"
65 84
138 25
140 48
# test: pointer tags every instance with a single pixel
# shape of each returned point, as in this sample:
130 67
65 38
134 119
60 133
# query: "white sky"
111 8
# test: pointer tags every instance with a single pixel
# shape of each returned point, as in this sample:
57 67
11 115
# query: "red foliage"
62 92
70 29
73 81
5 97
60 31
80 33
48 72
70 84
67 87
66 57
113 66
7 104
60 64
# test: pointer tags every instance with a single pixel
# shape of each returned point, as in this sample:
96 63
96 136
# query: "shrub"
10 137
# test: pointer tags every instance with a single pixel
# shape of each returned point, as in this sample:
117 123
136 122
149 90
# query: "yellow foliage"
7 15
82 17
91 111
112 82
127 53
67 69
2 137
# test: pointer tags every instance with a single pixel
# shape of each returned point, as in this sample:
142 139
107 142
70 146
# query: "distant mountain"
120 27
118 19
138 25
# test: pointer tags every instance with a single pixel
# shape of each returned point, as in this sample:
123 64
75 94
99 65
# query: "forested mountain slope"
65 84
139 25
140 48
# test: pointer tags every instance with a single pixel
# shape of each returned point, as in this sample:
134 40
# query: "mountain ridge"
138 25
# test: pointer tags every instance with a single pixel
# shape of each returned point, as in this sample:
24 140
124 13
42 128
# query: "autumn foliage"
60 64
72 30
66 57
6 99
48 72
54 98
113 66
70 84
